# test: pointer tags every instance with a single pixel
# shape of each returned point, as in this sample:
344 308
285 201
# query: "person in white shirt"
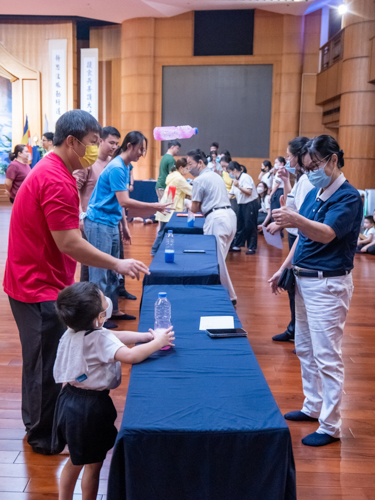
248 204
211 198
367 238
88 362
265 207
266 174
277 184
294 198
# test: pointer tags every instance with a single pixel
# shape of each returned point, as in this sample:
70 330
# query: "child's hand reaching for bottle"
164 337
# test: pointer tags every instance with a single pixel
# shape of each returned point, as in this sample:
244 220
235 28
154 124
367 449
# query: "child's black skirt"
84 420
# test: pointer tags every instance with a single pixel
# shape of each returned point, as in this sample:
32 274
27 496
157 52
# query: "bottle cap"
170 231
196 130
162 294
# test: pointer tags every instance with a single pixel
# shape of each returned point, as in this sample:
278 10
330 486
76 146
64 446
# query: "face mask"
319 178
195 171
263 169
232 176
108 311
260 189
289 168
90 157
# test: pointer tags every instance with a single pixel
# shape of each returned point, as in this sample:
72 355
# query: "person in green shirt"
166 165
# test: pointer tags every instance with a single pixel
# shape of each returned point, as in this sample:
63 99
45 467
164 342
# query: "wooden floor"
344 470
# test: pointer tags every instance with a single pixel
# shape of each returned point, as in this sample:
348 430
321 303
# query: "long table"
187 268
179 225
200 422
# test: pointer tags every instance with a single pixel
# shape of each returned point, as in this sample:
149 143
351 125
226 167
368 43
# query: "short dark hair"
197 155
173 143
49 136
78 305
215 145
213 153
234 165
267 163
106 131
296 147
77 123
323 146
17 150
132 138
281 160
370 219
226 158
182 162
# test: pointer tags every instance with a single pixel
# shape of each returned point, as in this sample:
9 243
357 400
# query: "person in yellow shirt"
183 188
224 162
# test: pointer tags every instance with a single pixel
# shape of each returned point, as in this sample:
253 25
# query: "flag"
26 139
45 127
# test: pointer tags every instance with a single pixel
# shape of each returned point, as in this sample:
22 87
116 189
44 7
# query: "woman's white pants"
222 224
321 309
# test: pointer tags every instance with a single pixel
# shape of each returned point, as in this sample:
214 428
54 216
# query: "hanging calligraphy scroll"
89 81
58 80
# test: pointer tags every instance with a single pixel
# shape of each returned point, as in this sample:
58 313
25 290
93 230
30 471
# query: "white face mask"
260 189
108 312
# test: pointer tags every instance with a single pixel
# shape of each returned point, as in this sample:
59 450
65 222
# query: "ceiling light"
343 9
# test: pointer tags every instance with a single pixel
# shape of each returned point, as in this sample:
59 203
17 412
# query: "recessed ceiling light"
343 9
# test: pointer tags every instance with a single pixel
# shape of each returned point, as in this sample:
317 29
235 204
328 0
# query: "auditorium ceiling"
116 11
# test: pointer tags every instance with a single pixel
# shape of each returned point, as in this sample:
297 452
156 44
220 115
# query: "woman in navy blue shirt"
322 259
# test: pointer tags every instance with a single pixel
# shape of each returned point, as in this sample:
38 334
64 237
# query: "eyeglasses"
315 165
144 152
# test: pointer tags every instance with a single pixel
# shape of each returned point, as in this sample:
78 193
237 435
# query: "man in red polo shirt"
45 244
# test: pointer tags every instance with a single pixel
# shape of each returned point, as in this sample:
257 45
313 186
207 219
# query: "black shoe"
123 317
126 295
234 302
235 249
284 337
316 439
110 325
251 251
299 416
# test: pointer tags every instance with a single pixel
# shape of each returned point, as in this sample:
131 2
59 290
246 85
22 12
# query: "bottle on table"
163 313
169 247
171 133
191 218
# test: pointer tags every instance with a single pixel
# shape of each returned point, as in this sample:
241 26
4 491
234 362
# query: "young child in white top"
367 238
88 362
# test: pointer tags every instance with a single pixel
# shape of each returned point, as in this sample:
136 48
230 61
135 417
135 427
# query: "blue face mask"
289 168
319 178
232 176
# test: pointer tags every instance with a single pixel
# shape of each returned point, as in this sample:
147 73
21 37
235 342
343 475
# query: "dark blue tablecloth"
187 269
200 422
179 225
144 191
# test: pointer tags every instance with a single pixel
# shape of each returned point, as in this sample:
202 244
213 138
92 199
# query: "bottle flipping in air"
169 247
163 314
171 133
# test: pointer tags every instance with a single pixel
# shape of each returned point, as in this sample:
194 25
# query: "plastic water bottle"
170 133
163 314
191 218
169 247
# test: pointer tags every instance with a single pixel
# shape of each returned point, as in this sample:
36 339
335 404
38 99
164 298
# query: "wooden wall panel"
28 42
357 117
329 83
107 40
